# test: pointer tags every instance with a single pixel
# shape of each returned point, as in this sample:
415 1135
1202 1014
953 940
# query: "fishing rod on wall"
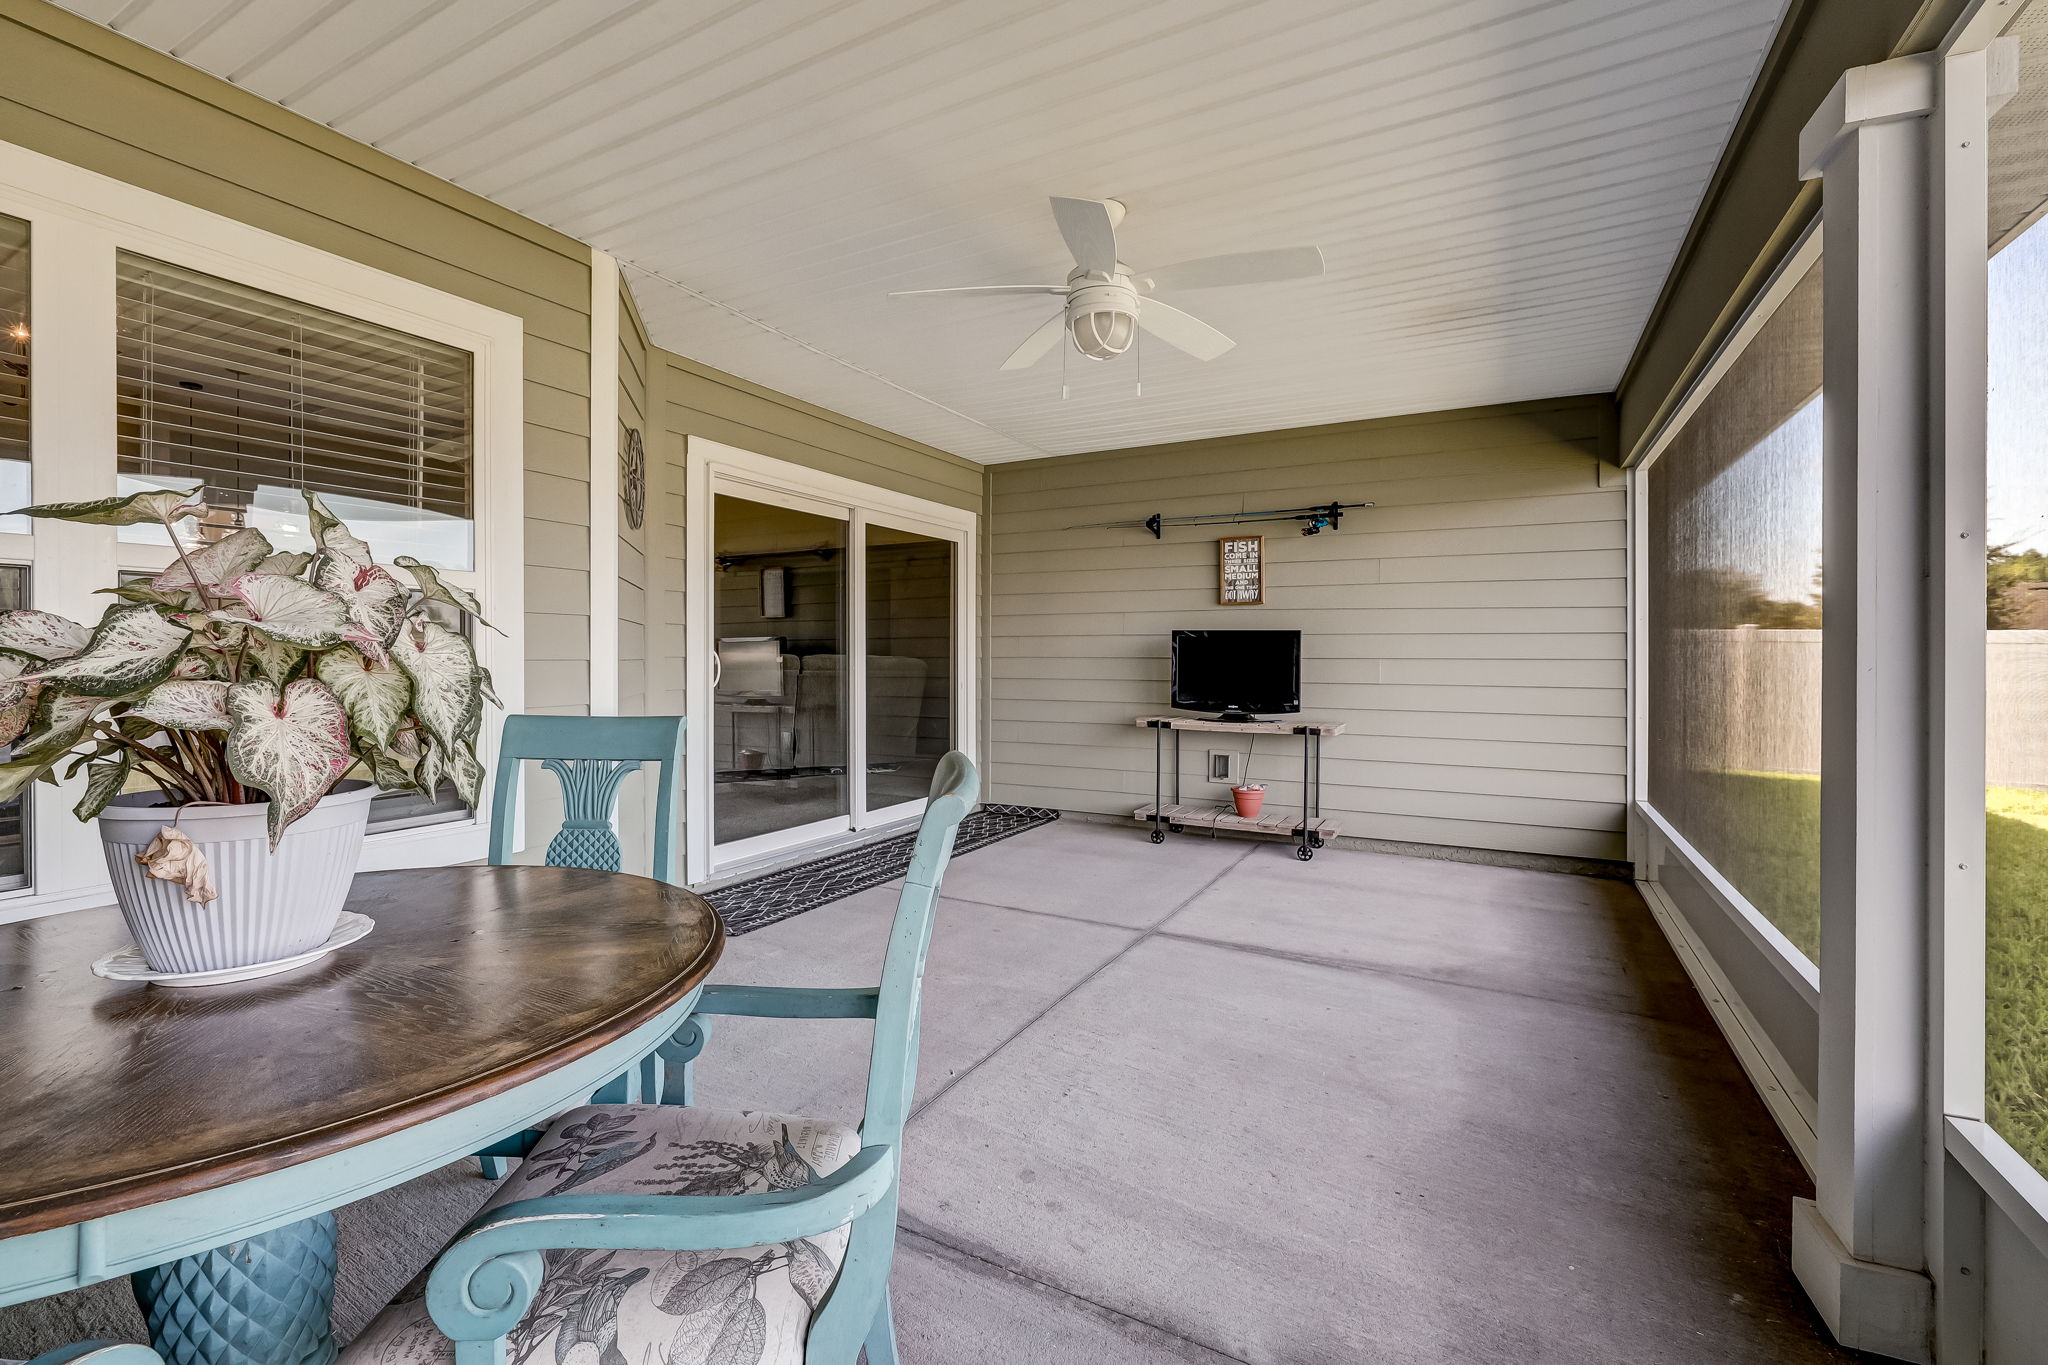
1315 520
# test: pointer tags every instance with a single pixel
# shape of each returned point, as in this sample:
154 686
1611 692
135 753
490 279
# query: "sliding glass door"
910 644
835 632
778 673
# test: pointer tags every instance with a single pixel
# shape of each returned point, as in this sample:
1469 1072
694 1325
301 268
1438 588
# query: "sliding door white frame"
712 468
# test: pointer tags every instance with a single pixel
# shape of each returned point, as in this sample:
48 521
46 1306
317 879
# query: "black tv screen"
1242 673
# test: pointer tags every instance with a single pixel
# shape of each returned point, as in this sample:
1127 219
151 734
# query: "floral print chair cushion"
746 1306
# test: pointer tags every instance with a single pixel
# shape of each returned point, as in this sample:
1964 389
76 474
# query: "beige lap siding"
1469 630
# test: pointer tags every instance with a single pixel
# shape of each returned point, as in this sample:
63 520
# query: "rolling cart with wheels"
1307 826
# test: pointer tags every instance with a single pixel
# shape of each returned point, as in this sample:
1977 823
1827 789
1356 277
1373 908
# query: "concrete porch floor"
1203 1102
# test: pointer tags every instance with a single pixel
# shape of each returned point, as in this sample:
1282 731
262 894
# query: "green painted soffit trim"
1596 433
1755 206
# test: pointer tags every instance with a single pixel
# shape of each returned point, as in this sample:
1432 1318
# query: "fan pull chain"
1066 345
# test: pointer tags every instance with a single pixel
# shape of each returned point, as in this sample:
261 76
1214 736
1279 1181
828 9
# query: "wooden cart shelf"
1306 825
1285 823
1242 727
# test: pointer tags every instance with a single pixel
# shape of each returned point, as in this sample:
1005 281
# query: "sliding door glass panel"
910 663
2016 621
1734 635
779 729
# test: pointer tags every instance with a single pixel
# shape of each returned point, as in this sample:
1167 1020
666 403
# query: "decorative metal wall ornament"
633 478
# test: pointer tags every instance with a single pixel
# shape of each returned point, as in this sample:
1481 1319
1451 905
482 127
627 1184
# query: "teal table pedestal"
264 1300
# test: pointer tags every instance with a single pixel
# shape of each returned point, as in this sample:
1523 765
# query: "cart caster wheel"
1304 853
1178 829
1158 836
1315 841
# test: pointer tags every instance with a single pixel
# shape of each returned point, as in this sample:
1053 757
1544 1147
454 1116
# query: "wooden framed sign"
1241 570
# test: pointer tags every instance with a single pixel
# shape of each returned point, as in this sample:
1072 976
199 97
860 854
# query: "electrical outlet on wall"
1223 765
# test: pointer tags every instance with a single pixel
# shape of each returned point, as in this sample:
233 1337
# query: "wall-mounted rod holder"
1328 516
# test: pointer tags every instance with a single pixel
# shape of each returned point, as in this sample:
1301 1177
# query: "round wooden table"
202 1135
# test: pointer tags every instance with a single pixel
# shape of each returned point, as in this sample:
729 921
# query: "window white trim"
713 466
78 220
1644 820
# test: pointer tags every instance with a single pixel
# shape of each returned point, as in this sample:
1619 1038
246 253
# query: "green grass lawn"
1773 857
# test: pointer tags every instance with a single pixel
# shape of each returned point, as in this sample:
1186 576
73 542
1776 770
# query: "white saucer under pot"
130 965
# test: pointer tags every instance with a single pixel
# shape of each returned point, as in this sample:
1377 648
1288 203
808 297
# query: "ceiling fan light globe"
1104 333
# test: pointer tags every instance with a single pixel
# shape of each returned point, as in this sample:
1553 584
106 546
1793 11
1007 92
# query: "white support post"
604 484
1971 83
1860 1249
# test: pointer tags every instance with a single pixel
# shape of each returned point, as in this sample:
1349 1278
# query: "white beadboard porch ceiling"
1499 186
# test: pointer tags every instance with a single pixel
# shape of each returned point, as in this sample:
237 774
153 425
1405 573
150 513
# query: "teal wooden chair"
665 1232
590 756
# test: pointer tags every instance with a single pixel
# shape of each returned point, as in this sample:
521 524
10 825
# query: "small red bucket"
1249 800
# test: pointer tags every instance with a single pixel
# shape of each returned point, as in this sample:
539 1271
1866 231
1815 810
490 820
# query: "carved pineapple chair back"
591 757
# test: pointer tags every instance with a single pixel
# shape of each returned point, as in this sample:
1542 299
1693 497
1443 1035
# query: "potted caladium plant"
233 716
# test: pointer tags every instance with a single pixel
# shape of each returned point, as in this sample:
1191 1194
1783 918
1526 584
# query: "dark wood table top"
475 980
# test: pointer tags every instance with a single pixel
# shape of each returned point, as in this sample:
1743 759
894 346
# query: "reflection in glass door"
779 759
910 684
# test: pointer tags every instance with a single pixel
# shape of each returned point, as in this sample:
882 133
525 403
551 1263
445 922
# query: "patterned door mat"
765 900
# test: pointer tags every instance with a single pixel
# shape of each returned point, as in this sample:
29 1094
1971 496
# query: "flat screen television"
1242 673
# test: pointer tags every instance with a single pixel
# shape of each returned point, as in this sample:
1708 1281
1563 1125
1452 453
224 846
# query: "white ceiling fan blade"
1183 330
983 289
1089 226
1039 344
1242 267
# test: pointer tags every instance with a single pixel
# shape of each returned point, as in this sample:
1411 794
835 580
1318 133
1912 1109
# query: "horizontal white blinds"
13 338
239 388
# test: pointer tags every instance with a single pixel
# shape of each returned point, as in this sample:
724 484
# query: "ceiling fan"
1107 301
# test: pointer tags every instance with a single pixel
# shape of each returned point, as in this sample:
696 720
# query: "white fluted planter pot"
271 905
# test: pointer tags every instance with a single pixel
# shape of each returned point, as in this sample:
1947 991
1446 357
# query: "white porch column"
604 484
1860 1248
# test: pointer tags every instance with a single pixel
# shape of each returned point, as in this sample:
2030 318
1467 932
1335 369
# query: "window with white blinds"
251 396
14 339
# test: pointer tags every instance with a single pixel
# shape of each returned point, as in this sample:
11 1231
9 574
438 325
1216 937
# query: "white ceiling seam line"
666 123
310 23
824 354
291 98
441 61
206 29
